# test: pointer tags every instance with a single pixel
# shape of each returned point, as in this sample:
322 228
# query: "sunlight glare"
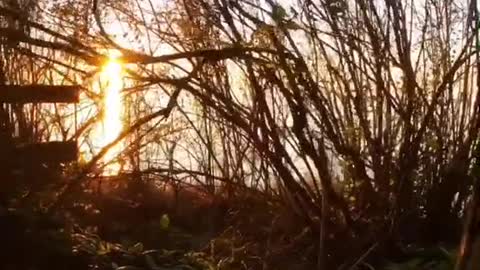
112 120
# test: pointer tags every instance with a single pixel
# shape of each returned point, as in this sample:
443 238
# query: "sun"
112 73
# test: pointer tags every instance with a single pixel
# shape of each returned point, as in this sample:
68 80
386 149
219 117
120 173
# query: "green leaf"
164 222
278 13
129 267
104 248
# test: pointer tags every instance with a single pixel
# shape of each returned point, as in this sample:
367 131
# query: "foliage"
105 255
164 222
433 259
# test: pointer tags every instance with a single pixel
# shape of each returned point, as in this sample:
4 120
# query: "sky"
117 29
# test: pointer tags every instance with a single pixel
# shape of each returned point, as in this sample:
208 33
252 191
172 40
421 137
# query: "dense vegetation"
327 134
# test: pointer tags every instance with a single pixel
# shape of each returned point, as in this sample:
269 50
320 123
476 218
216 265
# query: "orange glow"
112 110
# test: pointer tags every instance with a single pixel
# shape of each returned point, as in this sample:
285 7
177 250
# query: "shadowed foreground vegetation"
137 226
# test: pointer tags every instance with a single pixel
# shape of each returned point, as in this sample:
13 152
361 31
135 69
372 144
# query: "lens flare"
112 110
